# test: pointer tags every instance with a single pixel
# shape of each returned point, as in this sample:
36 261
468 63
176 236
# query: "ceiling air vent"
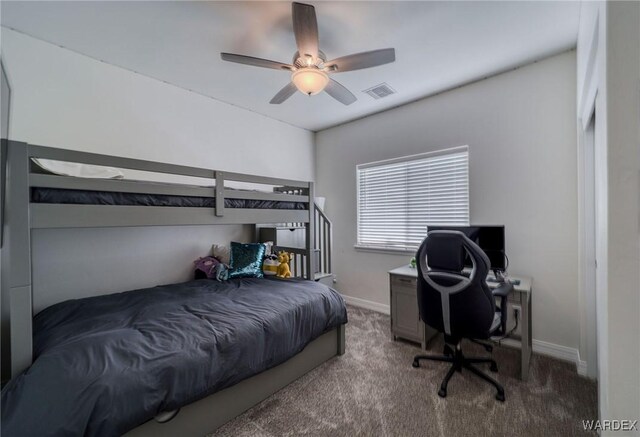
380 91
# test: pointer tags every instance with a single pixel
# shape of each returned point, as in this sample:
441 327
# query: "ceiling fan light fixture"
310 68
310 81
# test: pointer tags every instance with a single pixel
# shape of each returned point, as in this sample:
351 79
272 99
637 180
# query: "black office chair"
457 305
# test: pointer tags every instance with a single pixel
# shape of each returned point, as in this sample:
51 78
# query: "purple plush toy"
213 268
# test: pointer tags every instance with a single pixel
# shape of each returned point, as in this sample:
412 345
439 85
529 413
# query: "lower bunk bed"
193 355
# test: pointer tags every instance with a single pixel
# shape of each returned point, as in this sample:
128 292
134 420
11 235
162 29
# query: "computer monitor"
489 238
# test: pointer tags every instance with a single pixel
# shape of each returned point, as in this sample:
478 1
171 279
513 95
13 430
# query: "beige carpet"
373 391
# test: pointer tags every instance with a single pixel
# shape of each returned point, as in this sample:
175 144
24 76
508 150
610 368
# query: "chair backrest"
449 301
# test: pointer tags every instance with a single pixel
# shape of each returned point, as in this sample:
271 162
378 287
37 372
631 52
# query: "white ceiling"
439 45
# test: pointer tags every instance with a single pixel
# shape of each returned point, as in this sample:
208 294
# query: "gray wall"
521 131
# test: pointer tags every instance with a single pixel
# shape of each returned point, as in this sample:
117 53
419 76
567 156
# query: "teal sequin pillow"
246 260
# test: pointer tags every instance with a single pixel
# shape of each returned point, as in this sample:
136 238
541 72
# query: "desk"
405 318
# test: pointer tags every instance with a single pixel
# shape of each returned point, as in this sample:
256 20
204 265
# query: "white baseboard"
562 353
582 367
556 351
367 304
552 350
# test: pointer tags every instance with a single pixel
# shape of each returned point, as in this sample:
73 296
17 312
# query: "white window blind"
399 198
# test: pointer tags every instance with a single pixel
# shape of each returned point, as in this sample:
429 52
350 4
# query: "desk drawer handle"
405 280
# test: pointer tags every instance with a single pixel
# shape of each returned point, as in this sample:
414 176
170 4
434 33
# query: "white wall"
616 82
63 99
69 263
623 162
520 128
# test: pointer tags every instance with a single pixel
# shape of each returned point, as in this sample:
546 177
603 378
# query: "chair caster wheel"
494 367
500 397
442 393
415 363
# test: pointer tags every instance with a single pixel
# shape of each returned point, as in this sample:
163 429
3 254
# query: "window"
399 198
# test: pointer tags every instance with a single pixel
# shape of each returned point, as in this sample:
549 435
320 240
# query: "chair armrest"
503 290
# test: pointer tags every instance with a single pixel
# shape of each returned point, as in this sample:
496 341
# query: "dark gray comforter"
107 364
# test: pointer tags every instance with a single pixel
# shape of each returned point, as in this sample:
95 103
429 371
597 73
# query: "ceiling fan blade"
305 28
284 94
256 62
362 60
340 93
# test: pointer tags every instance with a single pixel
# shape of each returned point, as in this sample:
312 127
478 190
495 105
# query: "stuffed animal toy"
270 265
213 268
283 269
222 272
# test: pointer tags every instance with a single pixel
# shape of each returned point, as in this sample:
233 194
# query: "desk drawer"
403 281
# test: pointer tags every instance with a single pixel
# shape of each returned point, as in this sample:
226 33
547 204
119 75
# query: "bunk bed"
33 200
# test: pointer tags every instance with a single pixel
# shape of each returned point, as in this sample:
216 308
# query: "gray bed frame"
18 217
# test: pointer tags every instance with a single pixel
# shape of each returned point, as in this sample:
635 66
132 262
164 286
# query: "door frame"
587 245
588 169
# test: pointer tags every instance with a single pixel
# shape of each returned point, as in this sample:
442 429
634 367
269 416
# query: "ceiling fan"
310 69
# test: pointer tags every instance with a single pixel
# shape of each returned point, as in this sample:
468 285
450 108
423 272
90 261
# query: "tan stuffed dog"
283 269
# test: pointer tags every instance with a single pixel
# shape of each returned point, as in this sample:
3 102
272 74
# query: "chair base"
458 361
487 346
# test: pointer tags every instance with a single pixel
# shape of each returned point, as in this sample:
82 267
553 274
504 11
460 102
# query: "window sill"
387 250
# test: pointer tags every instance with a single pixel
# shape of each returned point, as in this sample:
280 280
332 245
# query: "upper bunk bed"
139 202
